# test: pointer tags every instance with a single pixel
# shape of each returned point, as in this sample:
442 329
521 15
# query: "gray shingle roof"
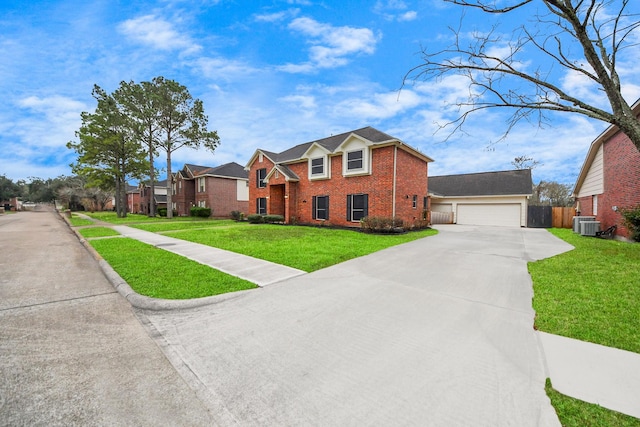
231 170
330 143
514 182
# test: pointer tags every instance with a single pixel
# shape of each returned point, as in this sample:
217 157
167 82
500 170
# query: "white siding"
594 181
242 190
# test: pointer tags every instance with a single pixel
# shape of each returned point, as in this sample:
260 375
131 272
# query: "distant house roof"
332 143
227 170
503 183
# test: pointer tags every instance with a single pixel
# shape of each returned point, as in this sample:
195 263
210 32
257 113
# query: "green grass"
158 227
98 232
112 218
590 293
79 222
305 248
157 273
576 413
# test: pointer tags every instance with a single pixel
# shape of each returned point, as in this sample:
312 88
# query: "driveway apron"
434 332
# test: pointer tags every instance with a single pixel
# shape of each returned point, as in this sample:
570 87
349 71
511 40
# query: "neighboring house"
609 179
159 199
489 198
133 199
340 179
223 189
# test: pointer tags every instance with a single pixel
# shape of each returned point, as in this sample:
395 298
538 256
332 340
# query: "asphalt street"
72 352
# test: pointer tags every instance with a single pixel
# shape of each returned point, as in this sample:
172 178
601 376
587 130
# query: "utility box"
589 228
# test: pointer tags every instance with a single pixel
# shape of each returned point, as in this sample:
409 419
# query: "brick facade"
387 188
220 193
621 178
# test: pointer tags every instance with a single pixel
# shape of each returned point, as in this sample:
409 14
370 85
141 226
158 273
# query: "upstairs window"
261 174
355 160
415 201
201 186
317 166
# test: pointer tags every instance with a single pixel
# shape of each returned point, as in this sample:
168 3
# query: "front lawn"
590 293
112 218
576 413
92 232
304 248
157 273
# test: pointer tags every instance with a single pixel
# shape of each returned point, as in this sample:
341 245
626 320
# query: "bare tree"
525 162
585 37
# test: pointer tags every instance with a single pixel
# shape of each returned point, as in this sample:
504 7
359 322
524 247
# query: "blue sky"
271 74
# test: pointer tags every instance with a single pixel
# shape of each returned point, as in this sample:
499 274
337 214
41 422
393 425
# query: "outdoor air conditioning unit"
589 228
578 219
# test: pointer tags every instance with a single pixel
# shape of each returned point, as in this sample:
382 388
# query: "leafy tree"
108 150
181 123
553 193
8 188
166 118
141 104
584 38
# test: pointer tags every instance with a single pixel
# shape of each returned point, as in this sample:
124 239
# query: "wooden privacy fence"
562 217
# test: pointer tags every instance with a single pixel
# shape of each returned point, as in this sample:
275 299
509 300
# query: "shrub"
200 212
163 212
237 215
255 219
631 220
272 219
381 224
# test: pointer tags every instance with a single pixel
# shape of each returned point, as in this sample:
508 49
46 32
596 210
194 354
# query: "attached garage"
500 214
489 198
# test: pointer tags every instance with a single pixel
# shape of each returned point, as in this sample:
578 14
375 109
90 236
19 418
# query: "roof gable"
333 144
503 183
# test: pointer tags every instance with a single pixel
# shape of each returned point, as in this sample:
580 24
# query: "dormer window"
355 160
317 166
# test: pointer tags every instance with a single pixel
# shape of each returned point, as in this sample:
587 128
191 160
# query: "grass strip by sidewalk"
305 248
92 232
576 413
590 293
157 273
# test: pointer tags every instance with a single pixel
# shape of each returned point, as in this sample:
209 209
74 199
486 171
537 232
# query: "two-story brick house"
221 188
159 198
341 179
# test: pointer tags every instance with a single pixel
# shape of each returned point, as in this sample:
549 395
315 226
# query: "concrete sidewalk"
258 271
594 373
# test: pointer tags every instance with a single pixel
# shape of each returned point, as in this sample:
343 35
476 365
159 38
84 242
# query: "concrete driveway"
436 332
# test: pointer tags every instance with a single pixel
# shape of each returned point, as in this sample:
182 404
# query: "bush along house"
341 179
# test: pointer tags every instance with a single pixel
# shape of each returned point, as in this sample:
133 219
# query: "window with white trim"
357 207
355 160
320 207
261 174
201 184
415 201
261 205
317 166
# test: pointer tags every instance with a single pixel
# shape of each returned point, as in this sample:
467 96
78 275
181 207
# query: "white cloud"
394 10
331 46
224 69
378 105
158 33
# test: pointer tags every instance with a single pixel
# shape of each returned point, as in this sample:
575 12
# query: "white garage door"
506 214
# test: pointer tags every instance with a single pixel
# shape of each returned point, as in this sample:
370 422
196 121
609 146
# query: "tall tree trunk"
152 207
169 187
